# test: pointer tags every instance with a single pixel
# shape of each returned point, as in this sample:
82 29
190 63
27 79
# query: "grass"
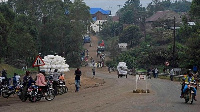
11 70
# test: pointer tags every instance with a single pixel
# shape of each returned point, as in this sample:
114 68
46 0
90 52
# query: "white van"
122 69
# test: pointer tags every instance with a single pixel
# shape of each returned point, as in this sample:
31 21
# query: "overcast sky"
112 5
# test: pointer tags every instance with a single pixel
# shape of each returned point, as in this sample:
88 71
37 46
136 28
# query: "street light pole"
174 44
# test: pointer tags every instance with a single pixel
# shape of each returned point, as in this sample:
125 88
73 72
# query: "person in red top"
102 43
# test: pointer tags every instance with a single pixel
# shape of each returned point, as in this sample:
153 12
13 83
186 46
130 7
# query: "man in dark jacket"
77 79
4 77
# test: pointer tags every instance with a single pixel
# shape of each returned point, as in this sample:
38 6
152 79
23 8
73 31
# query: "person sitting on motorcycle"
62 78
27 80
4 77
187 80
16 79
40 81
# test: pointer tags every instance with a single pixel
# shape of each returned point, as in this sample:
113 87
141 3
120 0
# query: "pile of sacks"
122 68
54 62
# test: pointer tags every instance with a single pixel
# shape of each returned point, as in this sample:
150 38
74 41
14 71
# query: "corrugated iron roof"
95 10
162 15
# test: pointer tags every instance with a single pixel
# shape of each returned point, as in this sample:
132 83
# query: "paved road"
113 96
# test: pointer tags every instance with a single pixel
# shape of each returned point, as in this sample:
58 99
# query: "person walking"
109 69
156 73
77 79
148 73
93 71
172 74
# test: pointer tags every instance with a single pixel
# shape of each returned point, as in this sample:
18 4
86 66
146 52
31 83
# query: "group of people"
40 79
154 71
27 80
4 80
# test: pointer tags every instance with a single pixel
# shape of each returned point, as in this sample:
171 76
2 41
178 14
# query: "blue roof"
95 10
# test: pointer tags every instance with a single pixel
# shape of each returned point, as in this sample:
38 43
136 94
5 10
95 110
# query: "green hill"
11 70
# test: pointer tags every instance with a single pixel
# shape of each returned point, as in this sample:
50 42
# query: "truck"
87 39
122 69
101 46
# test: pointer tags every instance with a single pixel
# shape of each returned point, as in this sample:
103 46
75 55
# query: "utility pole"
174 44
99 25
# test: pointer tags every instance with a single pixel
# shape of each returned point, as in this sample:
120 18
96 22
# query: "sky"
112 5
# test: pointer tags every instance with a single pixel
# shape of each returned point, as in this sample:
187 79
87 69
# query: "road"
115 95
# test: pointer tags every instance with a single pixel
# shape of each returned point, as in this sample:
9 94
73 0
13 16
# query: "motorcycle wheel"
5 93
50 95
192 99
186 99
60 91
33 97
65 89
38 98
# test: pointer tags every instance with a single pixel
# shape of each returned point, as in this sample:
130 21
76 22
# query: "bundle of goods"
54 62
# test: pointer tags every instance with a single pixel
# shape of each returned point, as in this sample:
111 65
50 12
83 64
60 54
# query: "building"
99 17
97 25
99 14
161 16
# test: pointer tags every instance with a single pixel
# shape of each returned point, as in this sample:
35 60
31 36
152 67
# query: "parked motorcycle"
6 90
62 88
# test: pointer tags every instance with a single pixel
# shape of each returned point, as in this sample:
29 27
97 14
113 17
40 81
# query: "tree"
195 8
109 30
47 26
130 13
193 53
177 6
6 20
130 35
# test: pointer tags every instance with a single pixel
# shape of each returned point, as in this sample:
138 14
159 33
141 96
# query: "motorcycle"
6 90
189 94
36 93
49 94
62 88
